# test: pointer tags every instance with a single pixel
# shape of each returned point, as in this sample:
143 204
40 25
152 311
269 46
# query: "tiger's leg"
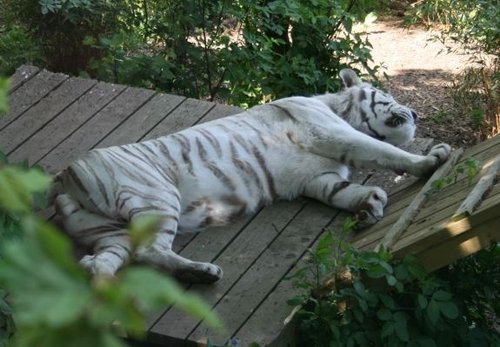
353 148
367 202
159 252
108 238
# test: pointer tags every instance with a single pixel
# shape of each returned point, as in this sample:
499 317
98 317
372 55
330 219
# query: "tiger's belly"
215 211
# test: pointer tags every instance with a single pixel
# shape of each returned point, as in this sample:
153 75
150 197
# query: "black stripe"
265 169
336 188
74 177
221 175
126 167
185 149
211 139
100 185
259 132
286 112
362 95
201 150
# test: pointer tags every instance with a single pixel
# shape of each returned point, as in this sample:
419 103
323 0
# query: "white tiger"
211 173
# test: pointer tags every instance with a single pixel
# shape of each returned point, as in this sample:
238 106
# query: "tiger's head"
374 112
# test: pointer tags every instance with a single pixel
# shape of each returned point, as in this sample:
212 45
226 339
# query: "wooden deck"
54 118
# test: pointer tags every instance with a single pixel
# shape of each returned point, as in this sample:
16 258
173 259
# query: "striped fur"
215 172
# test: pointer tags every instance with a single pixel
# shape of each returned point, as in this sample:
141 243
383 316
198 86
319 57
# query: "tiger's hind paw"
65 205
371 210
365 219
198 272
99 265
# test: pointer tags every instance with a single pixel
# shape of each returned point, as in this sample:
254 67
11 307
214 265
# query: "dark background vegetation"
243 52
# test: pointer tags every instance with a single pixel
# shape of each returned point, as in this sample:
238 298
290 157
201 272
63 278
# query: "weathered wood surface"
54 118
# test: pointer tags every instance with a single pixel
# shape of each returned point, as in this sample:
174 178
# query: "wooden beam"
412 210
488 176
454 248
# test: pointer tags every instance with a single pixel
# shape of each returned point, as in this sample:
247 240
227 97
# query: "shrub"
359 298
17 48
246 51
474 25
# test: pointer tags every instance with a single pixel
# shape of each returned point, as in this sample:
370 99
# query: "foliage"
476 92
58 28
53 301
474 25
4 87
293 47
16 48
476 284
369 298
467 169
467 22
246 51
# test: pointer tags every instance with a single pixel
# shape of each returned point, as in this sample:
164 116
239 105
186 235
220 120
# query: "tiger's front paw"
436 156
372 208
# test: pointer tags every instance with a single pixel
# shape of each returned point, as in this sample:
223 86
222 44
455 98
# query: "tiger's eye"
395 121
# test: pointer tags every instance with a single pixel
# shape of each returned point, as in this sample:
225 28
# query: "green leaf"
384 314
18 185
376 271
358 314
359 288
433 311
4 88
143 230
391 280
155 288
449 309
441 295
387 329
388 301
401 273
422 301
400 326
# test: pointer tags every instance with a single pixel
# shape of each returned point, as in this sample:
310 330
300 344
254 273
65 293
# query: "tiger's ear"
349 78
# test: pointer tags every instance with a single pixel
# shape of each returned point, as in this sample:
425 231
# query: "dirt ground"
421 73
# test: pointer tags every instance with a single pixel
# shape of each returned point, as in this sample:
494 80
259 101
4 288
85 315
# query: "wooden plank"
22 75
96 128
202 246
67 122
266 325
453 248
234 259
493 199
482 146
410 213
187 114
445 229
269 269
143 121
30 93
43 112
220 111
